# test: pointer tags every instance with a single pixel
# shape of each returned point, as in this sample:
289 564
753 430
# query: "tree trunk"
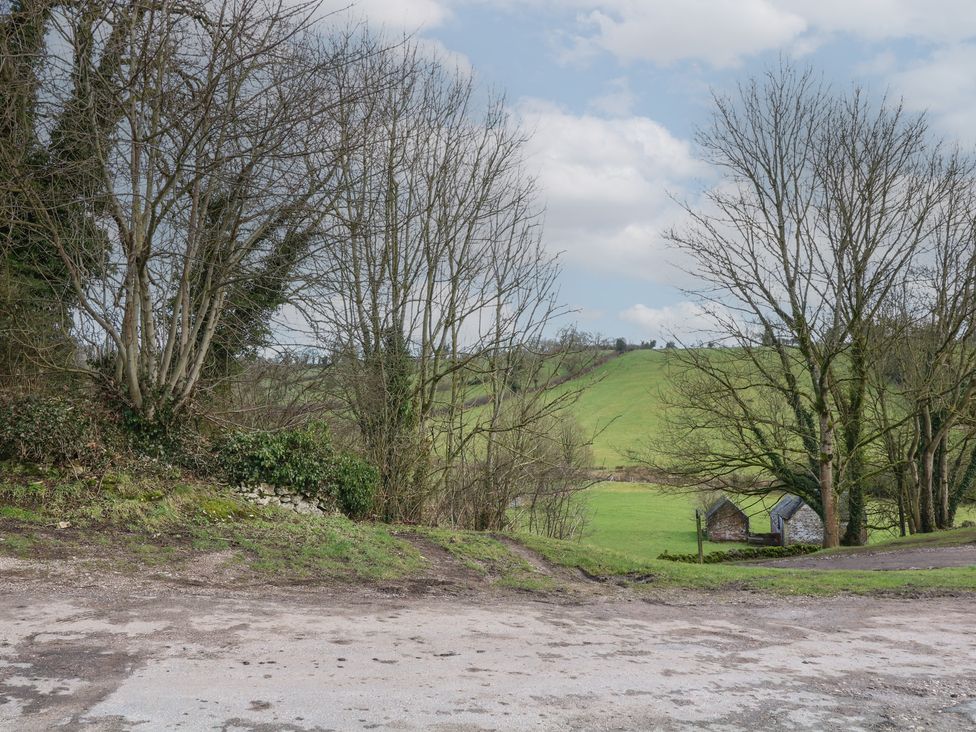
900 483
942 515
831 536
926 487
926 492
857 518
961 487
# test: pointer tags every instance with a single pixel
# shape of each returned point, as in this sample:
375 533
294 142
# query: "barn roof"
787 506
720 503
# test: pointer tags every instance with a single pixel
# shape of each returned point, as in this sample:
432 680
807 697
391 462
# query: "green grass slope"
642 521
607 563
624 400
132 525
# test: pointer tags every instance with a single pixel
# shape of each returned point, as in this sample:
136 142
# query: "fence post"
698 527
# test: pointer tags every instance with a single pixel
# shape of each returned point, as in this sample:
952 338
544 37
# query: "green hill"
624 400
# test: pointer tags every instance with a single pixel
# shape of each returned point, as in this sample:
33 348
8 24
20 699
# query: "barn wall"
727 524
805 527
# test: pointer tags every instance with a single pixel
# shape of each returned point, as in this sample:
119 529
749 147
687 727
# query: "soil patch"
570 575
445 572
884 559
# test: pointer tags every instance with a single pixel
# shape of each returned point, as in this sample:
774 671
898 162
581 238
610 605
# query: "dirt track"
902 558
130 653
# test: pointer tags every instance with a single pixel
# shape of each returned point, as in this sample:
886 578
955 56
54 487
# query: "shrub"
167 441
299 458
51 431
736 555
304 461
355 482
59 431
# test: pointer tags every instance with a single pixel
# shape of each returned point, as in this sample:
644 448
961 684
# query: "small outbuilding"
795 522
725 521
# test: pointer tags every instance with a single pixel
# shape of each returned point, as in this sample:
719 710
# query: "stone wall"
263 494
804 527
728 524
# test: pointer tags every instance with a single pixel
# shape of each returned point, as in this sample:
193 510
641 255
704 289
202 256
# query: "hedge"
737 555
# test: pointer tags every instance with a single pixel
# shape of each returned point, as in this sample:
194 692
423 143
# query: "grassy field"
642 521
623 400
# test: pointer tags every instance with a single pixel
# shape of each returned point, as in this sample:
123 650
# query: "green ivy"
355 482
304 461
736 555
50 431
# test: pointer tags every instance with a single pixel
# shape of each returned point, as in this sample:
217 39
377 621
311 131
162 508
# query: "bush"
51 431
355 482
59 431
299 459
304 461
167 441
736 555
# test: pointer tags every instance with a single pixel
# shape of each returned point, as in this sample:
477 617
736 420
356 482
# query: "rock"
64 524
966 709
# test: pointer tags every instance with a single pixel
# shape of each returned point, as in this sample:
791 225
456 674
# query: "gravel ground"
141 653
901 558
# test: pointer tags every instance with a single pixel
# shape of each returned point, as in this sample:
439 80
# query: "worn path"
885 559
144 655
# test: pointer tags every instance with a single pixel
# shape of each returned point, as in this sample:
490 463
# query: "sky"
612 91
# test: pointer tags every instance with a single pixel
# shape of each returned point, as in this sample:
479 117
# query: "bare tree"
935 366
204 140
438 289
827 202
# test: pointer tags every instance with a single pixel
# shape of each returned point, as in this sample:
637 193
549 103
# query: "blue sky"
612 91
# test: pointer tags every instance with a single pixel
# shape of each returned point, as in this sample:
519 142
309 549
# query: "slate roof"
719 504
787 506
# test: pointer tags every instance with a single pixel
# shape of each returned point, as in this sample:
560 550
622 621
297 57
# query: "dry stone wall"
264 494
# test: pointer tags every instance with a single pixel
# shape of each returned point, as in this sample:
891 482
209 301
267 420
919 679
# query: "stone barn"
725 521
795 522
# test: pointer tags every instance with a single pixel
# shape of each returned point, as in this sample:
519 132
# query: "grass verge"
43 514
136 523
608 564
489 557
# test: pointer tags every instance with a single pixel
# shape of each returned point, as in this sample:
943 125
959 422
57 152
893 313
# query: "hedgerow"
302 460
737 555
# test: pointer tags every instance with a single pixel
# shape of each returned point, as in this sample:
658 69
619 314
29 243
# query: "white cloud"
606 184
452 60
722 32
945 85
718 32
686 321
663 31
933 20
618 99
392 15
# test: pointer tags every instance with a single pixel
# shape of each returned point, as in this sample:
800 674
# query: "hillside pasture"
623 403
643 520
